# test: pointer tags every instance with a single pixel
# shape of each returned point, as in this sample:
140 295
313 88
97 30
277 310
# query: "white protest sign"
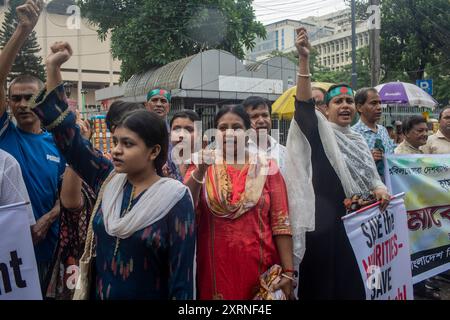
19 279
380 243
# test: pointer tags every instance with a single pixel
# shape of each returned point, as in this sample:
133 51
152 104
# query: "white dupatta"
351 159
154 204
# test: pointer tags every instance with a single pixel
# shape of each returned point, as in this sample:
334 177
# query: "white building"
91 66
335 52
330 34
281 37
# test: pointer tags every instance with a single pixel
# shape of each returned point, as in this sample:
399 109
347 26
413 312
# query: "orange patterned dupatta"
225 198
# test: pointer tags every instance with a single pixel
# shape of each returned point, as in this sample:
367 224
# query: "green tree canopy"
415 41
149 33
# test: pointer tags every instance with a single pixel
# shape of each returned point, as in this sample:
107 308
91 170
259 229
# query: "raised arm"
28 16
71 195
51 107
305 109
304 78
61 52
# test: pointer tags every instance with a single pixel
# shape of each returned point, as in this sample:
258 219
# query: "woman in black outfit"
335 164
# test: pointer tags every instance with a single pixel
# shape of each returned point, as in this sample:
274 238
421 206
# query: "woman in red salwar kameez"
243 221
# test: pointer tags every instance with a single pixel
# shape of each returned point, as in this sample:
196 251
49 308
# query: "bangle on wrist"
196 180
284 275
304 75
295 273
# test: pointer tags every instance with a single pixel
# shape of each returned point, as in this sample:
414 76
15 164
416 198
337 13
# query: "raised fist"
60 53
28 13
302 42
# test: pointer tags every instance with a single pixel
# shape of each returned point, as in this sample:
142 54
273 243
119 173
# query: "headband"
343 89
159 92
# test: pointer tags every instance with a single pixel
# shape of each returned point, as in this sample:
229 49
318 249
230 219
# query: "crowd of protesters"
140 224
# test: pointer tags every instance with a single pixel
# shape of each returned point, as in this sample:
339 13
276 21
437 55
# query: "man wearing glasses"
33 148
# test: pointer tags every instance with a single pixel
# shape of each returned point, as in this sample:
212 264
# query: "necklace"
124 214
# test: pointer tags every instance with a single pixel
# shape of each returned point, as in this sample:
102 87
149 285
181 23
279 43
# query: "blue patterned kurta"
371 138
155 262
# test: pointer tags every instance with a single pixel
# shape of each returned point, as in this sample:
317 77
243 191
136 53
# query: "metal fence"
207 113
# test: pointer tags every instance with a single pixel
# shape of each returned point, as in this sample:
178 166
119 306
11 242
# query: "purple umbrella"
405 94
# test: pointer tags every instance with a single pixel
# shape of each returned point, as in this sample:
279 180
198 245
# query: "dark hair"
321 90
237 110
442 112
254 102
185 114
152 129
411 122
362 95
118 110
25 79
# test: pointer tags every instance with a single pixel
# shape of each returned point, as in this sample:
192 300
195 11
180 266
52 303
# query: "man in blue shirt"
40 161
368 104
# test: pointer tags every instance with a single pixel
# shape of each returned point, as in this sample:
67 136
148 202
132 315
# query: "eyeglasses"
19 97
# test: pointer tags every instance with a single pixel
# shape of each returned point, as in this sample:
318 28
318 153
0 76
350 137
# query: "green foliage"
292 55
28 60
415 41
149 33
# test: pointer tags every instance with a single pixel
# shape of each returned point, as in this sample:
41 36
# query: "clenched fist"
60 53
28 13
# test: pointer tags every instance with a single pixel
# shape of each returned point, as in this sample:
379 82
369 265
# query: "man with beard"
158 101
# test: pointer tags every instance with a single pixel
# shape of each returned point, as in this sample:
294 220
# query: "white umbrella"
405 94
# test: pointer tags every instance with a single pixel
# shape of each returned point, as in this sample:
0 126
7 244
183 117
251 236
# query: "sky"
268 11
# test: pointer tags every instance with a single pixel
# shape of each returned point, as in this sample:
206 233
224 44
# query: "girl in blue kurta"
144 225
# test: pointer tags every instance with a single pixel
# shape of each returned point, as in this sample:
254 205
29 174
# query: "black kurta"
329 269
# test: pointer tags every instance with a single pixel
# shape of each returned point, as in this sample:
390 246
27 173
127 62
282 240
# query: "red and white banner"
381 246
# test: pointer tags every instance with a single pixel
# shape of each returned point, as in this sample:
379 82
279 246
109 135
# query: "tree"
27 61
291 55
415 41
150 33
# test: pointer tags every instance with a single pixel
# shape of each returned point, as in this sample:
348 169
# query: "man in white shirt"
12 187
259 111
439 143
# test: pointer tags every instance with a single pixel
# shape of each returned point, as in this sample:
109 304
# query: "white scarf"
347 153
154 204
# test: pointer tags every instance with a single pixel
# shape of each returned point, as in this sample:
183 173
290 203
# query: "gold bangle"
196 180
287 277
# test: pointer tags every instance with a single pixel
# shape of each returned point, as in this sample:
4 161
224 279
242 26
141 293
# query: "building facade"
207 81
330 34
281 37
335 51
91 66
